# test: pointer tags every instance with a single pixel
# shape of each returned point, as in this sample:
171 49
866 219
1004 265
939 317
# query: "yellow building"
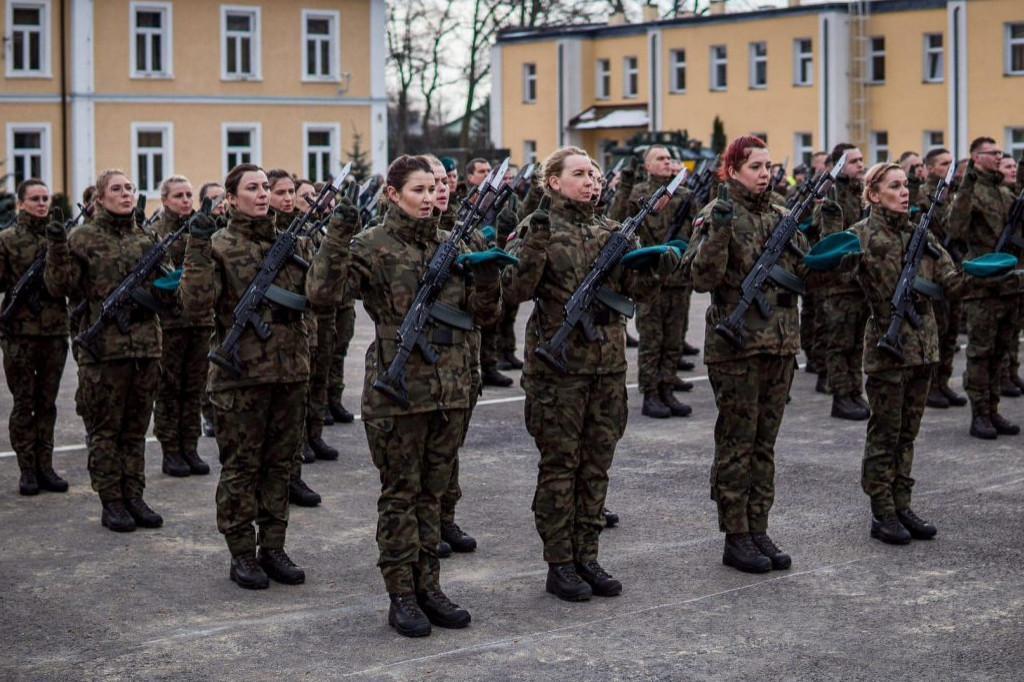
890 76
189 87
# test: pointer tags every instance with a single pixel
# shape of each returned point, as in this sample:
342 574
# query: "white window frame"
529 82
715 62
630 71
802 150
872 55
45 39
1015 149
166 31
603 78
879 152
335 149
753 60
677 63
799 58
167 129
45 151
529 151
928 144
1008 44
931 52
256 142
333 18
257 43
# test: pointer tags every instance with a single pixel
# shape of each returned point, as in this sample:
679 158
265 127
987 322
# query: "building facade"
889 76
189 87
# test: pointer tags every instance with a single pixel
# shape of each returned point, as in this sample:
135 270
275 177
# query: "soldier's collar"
577 211
754 202
119 223
261 228
31 223
993 177
412 229
894 220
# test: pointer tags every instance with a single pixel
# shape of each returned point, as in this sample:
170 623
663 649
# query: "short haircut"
471 166
978 141
839 150
932 155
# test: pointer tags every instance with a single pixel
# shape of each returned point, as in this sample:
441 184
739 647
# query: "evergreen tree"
360 164
718 139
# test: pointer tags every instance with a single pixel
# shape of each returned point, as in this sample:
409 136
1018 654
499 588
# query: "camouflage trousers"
811 316
179 394
34 366
1011 363
684 311
489 355
897 398
750 394
991 331
414 455
116 401
258 428
345 326
453 492
947 319
507 331
842 331
660 324
319 373
576 422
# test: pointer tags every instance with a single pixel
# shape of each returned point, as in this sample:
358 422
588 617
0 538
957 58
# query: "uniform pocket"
378 435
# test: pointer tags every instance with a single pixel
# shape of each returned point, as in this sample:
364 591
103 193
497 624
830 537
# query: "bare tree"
438 33
487 17
405 62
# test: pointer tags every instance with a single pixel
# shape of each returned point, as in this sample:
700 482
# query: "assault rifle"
129 293
369 197
779 175
578 309
902 303
426 311
261 290
734 327
505 191
803 189
608 193
1013 220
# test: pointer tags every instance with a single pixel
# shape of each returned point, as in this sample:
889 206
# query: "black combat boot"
742 554
1017 380
406 617
143 515
1003 426
653 407
677 408
301 494
50 480
690 350
246 571
919 528
513 361
681 384
1008 389
456 538
328 417
888 529
981 427
954 398
174 464
821 385
780 560
444 550
441 611
859 401
601 582
844 407
611 519
116 517
308 456
937 399
195 463
322 450
632 341
279 566
28 484
685 365
492 377
208 430
566 584
340 414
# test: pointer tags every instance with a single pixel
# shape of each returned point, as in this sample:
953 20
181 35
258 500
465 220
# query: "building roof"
611 116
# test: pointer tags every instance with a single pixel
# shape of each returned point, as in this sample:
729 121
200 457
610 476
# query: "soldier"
186 341
34 341
213 190
342 325
413 447
1011 384
258 414
751 385
977 215
117 384
811 302
577 419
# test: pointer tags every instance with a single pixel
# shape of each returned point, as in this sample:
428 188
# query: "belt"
439 335
781 299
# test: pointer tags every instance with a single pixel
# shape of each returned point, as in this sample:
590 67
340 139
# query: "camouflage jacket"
655 227
174 317
719 260
977 216
550 276
384 269
217 272
19 246
93 261
849 196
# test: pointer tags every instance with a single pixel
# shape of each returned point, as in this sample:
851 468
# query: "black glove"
668 262
344 221
970 176
55 231
203 226
848 263
540 223
722 211
628 173
507 216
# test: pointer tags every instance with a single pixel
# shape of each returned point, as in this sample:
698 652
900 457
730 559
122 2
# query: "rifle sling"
928 288
775 298
286 299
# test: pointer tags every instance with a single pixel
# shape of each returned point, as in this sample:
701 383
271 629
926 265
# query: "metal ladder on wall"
859 13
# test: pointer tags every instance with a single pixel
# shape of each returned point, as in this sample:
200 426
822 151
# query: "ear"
392 194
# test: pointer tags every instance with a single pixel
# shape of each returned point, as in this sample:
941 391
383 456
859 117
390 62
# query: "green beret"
827 253
646 257
680 244
990 265
495 254
448 163
169 282
488 232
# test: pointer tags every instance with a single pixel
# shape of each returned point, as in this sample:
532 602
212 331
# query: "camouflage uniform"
413 448
751 385
116 389
35 348
258 415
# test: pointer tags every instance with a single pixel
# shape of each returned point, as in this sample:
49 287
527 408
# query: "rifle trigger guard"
260 327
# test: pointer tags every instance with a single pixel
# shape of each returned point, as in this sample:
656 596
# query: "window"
630 77
529 151
803 149
1015 142
933 58
242 144
677 71
320 45
803 62
1015 49
879 146
152 155
151 40
876 59
758 65
762 136
28 147
240 43
719 73
321 150
932 139
29 39
529 83
603 79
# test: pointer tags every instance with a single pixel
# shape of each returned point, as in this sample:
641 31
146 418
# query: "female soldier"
212 190
186 341
750 385
282 197
575 419
414 447
259 412
118 375
34 342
